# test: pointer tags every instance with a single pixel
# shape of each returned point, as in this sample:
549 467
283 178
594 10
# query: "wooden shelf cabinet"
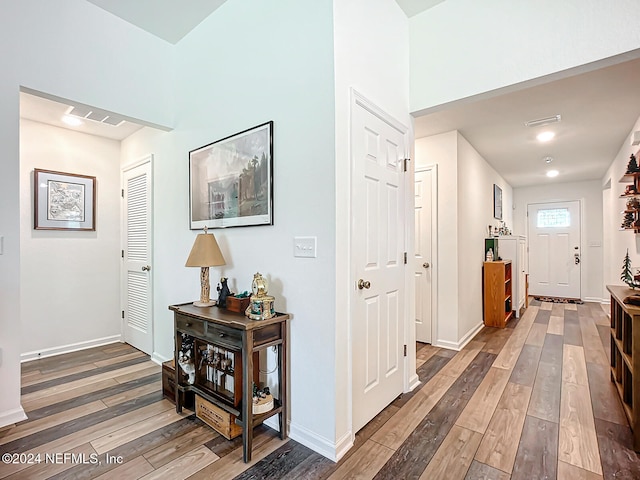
625 355
234 342
498 288
634 179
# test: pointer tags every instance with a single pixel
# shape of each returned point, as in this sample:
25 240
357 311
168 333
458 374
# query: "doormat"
558 299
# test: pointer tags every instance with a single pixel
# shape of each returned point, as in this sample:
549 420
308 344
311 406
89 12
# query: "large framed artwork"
497 202
64 201
231 180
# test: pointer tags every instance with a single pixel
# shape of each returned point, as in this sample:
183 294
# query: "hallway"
533 400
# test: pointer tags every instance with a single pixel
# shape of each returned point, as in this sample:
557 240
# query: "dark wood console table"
213 327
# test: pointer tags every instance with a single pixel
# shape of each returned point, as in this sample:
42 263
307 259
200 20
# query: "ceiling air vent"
543 121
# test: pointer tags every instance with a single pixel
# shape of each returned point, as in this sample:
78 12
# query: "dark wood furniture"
169 386
625 355
244 338
497 285
632 210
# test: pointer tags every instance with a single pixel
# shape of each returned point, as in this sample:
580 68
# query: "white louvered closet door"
137 257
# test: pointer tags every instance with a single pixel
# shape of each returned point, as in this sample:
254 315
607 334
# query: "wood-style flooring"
530 401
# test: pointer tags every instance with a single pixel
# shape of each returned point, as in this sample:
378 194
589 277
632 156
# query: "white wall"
123 69
617 241
476 179
461 48
364 30
70 295
249 63
442 150
591 236
465 209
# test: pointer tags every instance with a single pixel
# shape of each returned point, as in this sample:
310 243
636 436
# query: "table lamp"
205 253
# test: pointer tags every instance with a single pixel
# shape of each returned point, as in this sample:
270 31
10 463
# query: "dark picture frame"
64 201
231 180
497 202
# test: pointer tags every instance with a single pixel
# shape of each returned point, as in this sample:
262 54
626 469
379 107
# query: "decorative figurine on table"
262 400
632 166
185 358
627 276
260 304
223 292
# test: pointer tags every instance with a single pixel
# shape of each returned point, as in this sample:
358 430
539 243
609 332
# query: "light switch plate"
305 247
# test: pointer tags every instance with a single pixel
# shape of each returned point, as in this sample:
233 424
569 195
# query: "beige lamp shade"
205 252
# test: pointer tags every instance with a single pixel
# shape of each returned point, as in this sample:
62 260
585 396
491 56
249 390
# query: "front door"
378 147
136 255
554 249
423 259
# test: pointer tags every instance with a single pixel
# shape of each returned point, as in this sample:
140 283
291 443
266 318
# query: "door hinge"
123 193
405 258
405 349
122 253
406 163
122 313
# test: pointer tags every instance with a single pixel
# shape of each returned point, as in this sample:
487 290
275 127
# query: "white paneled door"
554 249
378 150
423 259
137 257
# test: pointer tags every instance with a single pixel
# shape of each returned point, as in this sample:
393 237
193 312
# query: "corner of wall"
334 451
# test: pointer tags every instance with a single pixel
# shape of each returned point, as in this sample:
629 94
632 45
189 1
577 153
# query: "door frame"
434 246
410 378
123 241
583 234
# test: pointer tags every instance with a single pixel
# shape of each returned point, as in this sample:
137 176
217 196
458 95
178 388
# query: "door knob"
363 284
146 268
426 265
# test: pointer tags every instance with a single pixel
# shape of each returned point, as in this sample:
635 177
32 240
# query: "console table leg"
247 397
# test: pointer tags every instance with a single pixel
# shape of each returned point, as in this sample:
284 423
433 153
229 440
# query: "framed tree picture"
497 202
231 180
63 201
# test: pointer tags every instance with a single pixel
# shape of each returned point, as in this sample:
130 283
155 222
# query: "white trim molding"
463 341
325 447
73 347
12 416
159 359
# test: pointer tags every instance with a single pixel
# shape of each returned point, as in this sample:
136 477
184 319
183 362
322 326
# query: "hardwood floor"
530 401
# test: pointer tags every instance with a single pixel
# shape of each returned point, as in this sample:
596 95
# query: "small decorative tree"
632 166
627 274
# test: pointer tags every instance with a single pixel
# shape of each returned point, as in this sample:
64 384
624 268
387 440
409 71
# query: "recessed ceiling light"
545 136
71 121
552 173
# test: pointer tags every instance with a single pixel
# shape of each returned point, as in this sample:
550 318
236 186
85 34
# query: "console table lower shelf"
224 347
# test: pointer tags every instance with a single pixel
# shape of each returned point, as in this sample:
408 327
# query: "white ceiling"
598 111
598 108
44 110
168 19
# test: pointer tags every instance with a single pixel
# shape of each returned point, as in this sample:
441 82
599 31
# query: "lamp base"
204 304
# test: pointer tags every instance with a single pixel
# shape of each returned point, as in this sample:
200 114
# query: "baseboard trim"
596 300
12 416
319 444
73 347
344 445
159 359
463 341
414 381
